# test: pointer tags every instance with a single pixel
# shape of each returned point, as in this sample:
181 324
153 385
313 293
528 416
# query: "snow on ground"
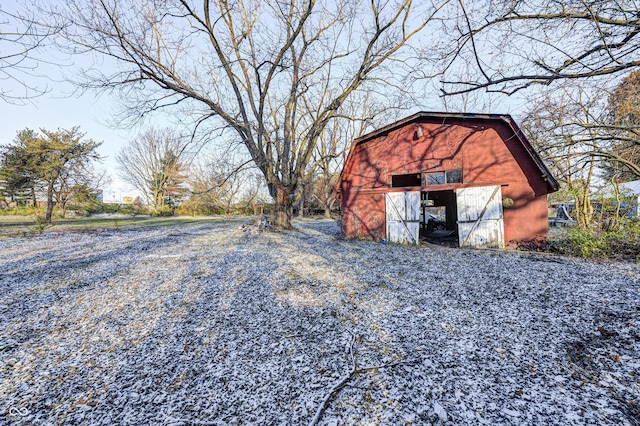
209 324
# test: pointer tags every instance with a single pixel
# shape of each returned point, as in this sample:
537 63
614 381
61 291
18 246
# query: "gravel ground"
209 324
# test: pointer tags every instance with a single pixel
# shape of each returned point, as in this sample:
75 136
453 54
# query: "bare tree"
155 163
274 73
203 182
21 38
519 43
568 127
329 156
216 182
254 193
624 129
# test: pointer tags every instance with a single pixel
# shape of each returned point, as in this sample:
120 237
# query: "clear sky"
59 108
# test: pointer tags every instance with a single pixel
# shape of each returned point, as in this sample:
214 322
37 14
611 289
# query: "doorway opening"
439 217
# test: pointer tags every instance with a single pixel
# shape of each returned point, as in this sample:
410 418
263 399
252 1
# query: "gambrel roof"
442 117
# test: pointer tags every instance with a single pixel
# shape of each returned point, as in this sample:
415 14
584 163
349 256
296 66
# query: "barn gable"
437 155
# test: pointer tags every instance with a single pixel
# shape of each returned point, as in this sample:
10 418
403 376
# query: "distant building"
632 189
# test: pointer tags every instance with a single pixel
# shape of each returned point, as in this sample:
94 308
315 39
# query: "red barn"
474 176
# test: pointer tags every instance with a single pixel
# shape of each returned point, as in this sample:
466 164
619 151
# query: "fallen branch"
342 382
336 388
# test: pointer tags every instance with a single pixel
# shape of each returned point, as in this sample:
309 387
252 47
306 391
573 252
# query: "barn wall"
527 219
363 215
488 153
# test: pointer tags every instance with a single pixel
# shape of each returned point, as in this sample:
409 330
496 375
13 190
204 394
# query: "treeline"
40 171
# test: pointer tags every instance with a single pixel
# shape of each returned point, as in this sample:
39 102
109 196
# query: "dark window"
403 181
454 176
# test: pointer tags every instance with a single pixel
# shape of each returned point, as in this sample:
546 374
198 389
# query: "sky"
61 107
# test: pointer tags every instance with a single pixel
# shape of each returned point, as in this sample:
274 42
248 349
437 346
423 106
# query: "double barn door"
480 221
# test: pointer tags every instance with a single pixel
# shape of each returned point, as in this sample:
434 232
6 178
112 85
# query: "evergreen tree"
34 160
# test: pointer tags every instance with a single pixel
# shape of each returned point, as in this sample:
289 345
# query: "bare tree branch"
528 42
22 38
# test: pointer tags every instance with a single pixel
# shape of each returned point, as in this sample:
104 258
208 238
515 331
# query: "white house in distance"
632 189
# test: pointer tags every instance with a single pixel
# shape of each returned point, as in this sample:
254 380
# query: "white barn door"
403 216
480 221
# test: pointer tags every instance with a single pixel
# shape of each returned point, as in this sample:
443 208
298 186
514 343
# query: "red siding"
364 216
487 152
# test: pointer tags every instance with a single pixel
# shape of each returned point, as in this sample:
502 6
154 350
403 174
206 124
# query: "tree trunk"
329 202
47 217
583 200
158 200
282 208
584 210
301 205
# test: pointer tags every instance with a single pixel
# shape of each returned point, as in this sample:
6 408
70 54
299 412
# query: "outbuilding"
632 190
474 176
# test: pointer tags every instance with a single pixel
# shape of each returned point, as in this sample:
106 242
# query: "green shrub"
98 208
187 209
132 209
621 244
587 242
22 211
40 225
632 227
162 211
625 242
